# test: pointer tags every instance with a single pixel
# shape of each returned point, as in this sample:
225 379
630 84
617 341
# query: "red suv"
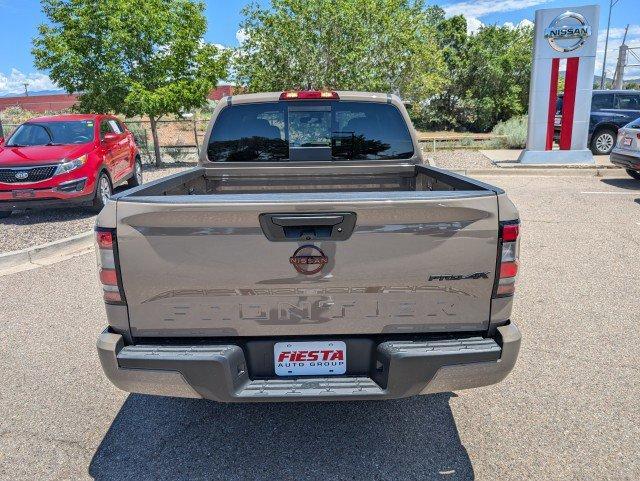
66 160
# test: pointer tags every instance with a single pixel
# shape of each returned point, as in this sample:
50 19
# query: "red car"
66 160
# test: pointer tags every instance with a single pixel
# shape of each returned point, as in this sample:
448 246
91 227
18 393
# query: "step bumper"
400 369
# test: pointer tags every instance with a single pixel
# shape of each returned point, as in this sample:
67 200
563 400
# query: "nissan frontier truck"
311 255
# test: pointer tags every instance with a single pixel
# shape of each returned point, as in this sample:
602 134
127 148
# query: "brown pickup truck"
311 255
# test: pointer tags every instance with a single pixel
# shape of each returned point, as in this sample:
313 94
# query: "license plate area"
23 194
310 358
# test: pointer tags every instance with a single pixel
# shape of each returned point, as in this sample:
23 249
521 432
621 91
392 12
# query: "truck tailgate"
202 266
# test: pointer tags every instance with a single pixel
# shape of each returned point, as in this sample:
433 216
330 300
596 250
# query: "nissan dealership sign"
567 32
564 40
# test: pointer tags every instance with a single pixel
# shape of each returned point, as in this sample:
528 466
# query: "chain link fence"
180 140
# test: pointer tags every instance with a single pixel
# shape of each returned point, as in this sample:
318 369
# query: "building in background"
221 91
40 103
64 101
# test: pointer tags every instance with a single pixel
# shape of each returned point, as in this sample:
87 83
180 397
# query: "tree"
497 74
376 45
132 57
445 109
487 75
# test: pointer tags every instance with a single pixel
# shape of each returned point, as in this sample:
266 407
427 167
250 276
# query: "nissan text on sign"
571 35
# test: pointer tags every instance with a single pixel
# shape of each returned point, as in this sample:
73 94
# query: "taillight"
508 261
309 95
106 248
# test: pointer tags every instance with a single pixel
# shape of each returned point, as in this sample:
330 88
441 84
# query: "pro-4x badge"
461 277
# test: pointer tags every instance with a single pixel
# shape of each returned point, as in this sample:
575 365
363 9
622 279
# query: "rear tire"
104 190
634 173
136 179
603 142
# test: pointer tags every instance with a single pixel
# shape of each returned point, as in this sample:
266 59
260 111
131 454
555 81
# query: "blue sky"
19 20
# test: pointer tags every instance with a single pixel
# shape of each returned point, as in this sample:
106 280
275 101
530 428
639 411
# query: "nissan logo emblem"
308 260
567 32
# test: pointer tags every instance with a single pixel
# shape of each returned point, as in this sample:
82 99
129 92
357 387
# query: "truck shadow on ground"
629 184
170 438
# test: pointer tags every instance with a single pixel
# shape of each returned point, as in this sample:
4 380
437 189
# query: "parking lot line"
610 193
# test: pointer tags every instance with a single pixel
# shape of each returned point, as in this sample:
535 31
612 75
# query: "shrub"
513 133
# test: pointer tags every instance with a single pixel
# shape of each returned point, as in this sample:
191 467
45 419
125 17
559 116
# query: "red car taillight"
107 250
508 261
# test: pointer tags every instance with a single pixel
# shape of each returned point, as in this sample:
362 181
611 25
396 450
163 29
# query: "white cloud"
478 8
472 9
241 35
473 25
521 24
13 83
525 22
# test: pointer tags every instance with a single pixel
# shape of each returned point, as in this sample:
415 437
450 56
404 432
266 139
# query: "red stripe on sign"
569 102
553 98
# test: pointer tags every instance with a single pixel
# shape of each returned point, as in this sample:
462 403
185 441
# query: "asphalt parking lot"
569 410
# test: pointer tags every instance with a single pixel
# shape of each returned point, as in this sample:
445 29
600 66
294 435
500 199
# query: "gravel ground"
568 411
31 228
458 159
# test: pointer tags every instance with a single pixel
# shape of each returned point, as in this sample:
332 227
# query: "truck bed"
230 180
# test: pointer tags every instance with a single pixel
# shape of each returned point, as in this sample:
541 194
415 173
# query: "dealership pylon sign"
564 39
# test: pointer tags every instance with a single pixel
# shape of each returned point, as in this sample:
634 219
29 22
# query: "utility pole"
26 88
618 76
632 53
606 43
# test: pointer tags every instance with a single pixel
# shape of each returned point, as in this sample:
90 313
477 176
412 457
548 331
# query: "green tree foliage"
376 45
445 110
488 75
134 57
498 75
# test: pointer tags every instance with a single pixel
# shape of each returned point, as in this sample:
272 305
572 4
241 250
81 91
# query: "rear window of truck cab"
309 131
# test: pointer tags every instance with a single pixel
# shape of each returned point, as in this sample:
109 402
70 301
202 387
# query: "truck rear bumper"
219 372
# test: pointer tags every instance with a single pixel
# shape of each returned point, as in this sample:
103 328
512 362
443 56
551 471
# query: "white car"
627 150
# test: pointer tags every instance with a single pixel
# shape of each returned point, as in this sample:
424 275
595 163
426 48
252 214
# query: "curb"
39 253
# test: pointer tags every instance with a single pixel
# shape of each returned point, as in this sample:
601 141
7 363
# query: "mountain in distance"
35 93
